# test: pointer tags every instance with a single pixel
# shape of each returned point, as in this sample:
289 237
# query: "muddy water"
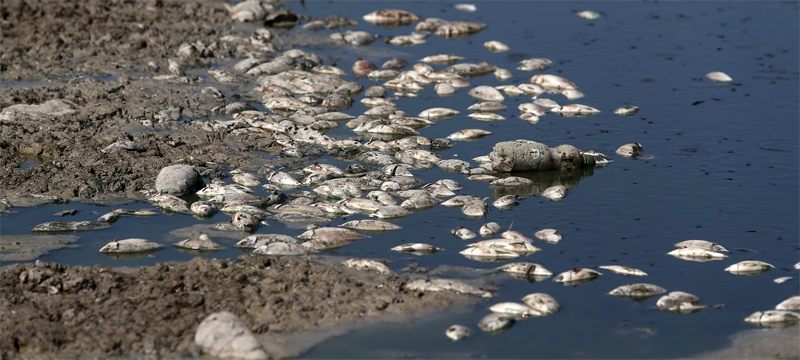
721 164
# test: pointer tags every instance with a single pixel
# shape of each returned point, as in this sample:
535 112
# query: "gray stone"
178 180
223 335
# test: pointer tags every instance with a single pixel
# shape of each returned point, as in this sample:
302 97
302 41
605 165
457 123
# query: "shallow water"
722 166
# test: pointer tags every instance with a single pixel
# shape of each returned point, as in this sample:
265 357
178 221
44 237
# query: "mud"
30 247
56 311
95 54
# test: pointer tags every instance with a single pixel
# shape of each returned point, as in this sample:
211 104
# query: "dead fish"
701 244
465 7
463 233
487 106
468 134
171 203
460 200
512 181
506 202
496 46
202 243
245 222
546 103
773 317
362 67
629 150
576 275
552 236
111 216
454 165
330 233
552 82
486 253
782 279
361 205
443 89
575 110
679 301
719 76
514 235
249 209
626 110
555 193
489 229
416 248
522 247
407 40
457 332
588 15
420 201
534 64
502 74
438 113
790 304
391 17
370 225
256 240
623 270
366 264
541 302
494 323
574 94
58 226
749 267
133 245
486 93
697 254
475 208
527 269
516 310
390 212
442 59
203 208
485 116
437 284
637 291
280 248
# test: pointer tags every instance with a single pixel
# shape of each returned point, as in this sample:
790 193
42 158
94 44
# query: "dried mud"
55 311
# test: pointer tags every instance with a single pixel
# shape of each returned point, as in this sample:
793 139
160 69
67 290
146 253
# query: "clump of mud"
51 310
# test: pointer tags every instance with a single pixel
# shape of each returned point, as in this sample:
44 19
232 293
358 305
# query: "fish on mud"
366 264
63 226
436 284
201 243
280 248
133 245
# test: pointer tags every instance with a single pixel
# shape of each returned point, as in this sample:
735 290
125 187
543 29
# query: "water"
723 167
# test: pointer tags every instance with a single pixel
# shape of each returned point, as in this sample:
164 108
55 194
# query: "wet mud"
56 311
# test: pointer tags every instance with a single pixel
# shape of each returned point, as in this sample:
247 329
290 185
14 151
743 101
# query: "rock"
223 335
178 180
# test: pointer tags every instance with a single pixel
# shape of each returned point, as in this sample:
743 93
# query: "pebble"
178 180
223 335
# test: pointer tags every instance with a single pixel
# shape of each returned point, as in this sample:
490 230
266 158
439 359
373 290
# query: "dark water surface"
722 165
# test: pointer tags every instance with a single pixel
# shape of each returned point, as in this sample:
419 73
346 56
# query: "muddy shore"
55 311
101 56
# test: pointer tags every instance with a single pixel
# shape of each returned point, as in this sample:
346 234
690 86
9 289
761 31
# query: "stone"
178 180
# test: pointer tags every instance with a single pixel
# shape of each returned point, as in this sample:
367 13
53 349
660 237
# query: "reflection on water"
541 181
